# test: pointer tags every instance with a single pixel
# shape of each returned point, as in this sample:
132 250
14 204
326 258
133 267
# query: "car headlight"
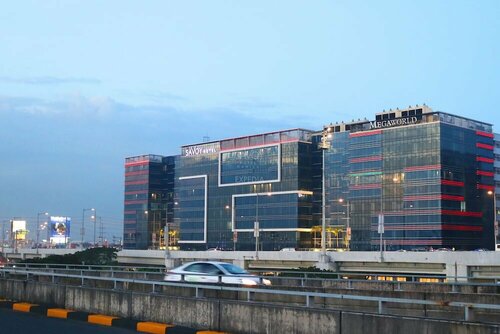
246 281
265 281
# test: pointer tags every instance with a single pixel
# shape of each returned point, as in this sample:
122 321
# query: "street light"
83 223
256 227
38 227
94 217
323 146
495 222
348 219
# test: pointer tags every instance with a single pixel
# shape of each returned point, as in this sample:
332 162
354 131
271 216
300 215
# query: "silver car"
214 272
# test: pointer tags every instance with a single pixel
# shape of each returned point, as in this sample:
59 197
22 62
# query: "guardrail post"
154 288
250 296
115 285
349 284
309 301
381 307
454 288
83 279
199 293
468 313
398 286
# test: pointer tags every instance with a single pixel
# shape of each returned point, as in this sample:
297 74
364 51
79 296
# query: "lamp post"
348 220
256 228
95 223
323 146
495 222
38 228
83 223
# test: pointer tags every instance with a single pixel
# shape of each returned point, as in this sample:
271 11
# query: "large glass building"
428 174
423 178
228 191
148 203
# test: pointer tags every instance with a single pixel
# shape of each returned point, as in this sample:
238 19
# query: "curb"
103 320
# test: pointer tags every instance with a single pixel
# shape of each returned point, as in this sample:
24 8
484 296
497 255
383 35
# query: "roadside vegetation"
93 256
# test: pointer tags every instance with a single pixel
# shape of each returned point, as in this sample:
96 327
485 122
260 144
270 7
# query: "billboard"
59 229
19 229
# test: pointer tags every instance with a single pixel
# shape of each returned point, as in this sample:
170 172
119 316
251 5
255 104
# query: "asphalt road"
12 322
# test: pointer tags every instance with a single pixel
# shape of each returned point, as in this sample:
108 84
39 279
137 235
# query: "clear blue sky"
83 84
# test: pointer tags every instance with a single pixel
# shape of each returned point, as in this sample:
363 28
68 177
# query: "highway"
29 323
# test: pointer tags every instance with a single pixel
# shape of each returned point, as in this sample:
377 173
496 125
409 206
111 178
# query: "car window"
204 268
232 269
195 268
211 269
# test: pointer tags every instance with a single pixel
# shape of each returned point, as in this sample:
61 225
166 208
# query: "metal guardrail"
468 308
302 277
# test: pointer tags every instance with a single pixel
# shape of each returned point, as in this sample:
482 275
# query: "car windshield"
232 269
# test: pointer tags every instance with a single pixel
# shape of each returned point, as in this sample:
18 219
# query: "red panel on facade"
136 163
449 227
136 201
485 146
366 186
485 134
462 213
452 183
136 192
365 133
485 173
485 187
365 159
452 198
483 159
136 182
138 172
417 168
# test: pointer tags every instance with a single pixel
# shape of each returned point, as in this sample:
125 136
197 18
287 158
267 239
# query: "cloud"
71 105
49 80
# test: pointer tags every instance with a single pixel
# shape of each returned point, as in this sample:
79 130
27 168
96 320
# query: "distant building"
497 190
429 175
148 202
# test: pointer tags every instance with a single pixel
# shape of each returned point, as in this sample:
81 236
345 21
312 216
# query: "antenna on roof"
206 139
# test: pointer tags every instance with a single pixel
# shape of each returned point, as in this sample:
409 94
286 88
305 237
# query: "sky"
84 84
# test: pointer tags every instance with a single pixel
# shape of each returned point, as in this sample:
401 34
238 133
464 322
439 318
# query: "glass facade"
148 203
430 180
430 175
221 192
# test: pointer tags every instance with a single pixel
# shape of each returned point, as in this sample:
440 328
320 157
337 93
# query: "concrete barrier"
227 315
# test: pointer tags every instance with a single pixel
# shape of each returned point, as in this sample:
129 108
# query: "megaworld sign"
394 122
200 149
